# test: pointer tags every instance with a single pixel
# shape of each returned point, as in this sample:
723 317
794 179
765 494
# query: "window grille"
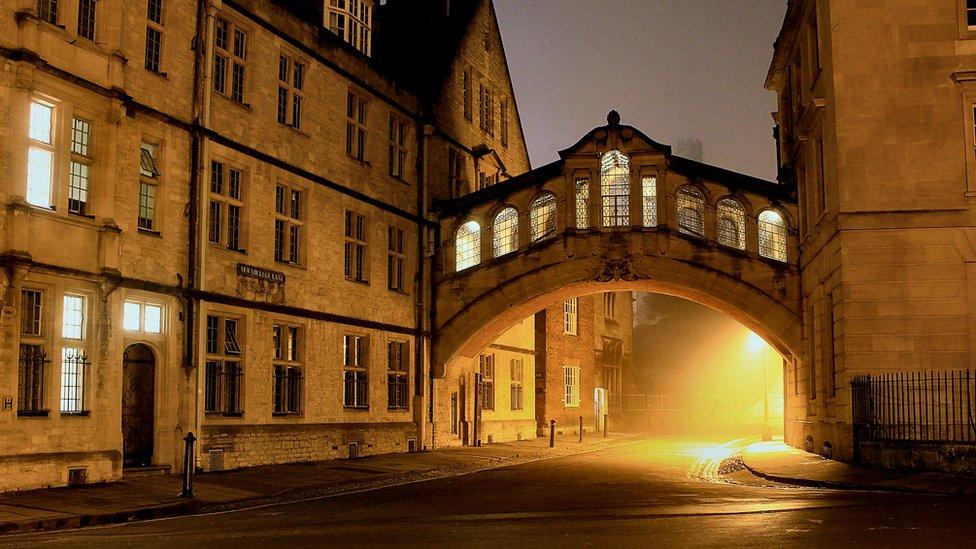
355 379
772 235
30 387
40 154
230 49
398 147
505 232
731 224
467 244
291 82
582 203
396 377
224 375
356 126
615 189
30 312
517 394
86 19
691 212
542 217
289 215
571 386
355 257
649 200
74 365
487 369
395 258
571 316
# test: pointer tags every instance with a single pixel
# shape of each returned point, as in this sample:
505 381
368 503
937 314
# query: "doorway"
599 406
138 405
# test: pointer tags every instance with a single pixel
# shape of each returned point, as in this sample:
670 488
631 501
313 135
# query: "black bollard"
188 466
606 424
552 433
581 429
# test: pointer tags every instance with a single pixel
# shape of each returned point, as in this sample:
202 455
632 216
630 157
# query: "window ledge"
160 74
226 97
286 414
357 281
149 232
83 413
356 408
33 413
398 408
291 264
81 215
297 131
224 414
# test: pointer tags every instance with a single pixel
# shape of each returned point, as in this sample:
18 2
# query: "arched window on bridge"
542 217
731 224
615 189
649 198
691 212
582 203
504 232
772 235
467 246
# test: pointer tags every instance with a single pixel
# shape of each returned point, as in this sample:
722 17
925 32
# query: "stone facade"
884 167
186 324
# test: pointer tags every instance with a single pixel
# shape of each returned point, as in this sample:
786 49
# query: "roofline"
498 191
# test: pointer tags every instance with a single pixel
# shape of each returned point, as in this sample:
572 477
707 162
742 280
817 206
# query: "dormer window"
351 20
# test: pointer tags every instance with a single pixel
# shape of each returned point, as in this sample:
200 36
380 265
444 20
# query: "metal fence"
934 406
626 403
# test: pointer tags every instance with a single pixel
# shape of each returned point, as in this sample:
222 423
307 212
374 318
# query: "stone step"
152 470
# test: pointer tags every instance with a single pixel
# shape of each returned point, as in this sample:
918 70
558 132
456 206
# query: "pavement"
777 462
149 497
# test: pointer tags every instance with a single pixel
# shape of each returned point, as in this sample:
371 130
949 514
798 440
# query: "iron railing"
934 406
626 403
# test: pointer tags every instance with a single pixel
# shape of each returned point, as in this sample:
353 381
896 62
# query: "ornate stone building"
876 130
214 220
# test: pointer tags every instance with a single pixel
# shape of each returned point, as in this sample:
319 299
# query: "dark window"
86 19
47 10
354 375
356 126
291 80
226 195
288 225
487 369
971 13
398 148
288 374
517 395
80 166
396 377
234 54
466 85
30 312
355 265
224 374
395 259
154 48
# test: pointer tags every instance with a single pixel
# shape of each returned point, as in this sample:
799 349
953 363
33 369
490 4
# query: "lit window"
351 21
542 217
615 189
73 317
582 203
649 200
505 232
131 316
571 382
74 362
154 319
691 212
731 224
467 244
772 235
40 155
571 316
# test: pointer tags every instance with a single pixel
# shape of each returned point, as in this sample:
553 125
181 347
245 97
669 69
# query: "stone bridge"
616 212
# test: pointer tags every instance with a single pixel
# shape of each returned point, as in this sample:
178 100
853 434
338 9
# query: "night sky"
675 69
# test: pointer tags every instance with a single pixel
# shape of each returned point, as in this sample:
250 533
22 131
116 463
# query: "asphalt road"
655 492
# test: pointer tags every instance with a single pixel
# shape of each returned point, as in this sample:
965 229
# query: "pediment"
614 136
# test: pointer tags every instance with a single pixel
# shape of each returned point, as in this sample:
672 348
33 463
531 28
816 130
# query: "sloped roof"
416 41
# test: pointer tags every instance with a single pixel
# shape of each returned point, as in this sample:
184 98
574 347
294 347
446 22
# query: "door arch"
138 405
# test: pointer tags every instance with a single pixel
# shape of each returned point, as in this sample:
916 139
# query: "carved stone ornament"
616 269
779 283
261 290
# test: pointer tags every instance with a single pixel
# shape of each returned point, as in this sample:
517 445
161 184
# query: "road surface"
654 492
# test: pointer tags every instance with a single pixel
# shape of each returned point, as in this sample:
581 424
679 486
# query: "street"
653 492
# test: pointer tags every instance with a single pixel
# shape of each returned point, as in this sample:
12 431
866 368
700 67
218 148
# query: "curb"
193 506
834 484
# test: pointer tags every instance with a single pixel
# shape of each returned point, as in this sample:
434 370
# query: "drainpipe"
423 301
198 143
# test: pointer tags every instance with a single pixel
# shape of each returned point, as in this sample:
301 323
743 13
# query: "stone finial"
613 118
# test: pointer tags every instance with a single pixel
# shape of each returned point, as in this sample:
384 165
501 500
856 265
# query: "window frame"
144 304
49 148
516 384
732 211
356 28
355 372
357 125
158 27
398 375
505 232
768 247
147 181
291 89
89 31
398 148
649 199
222 180
222 398
543 222
571 386
615 186
231 59
486 367
290 250
467 246
291 400
355 247
571 316
690 199
84 160
396 259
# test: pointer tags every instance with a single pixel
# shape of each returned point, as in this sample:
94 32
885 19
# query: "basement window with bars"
397 388
288 382
355 378
74 367
226 214
30 383
224 374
